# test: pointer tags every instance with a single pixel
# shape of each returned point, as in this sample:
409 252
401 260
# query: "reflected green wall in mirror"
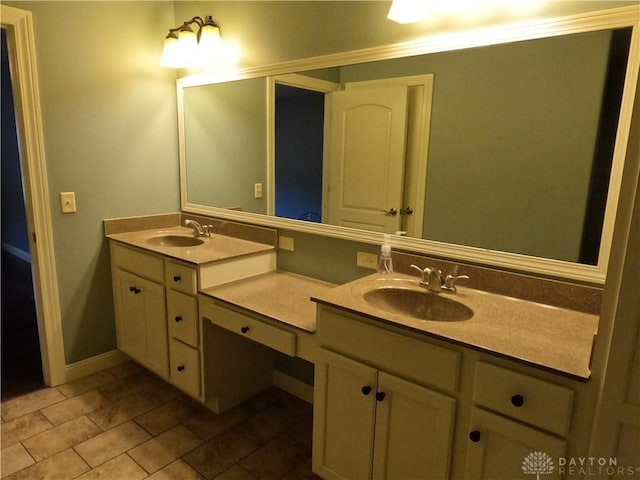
511 145
225 141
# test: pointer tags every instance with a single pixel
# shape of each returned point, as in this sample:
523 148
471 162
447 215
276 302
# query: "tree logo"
537 463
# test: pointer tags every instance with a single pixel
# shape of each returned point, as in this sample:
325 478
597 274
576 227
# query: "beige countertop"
281 296
557 339
215 248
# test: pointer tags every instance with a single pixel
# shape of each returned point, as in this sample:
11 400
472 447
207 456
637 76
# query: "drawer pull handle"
178 318
474 436
177 278
180 368
380 396
244 329
517 400
366 390
134 290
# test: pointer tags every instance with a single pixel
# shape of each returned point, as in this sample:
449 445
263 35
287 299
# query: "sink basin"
418 304
175 241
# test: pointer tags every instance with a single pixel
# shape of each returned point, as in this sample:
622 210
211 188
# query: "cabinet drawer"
185 367
134 261
182 317
181 278
253 329
404 356
531 400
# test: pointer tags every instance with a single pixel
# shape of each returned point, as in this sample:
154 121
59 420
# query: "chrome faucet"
432 280
199 230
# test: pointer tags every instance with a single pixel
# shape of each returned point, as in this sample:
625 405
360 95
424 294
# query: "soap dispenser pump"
385 263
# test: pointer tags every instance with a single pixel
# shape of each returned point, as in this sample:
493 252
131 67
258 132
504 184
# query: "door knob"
406 211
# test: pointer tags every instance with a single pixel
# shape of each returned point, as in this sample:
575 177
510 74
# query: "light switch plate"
68 202
257 190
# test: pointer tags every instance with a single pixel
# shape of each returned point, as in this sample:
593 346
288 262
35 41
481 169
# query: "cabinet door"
140 321
500 448
413 431
344 416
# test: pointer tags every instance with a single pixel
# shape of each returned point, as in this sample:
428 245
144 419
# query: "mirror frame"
592 21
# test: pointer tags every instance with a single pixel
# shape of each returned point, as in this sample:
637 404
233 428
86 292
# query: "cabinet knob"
178 318
244 329
517 400
180 368
366 390
177 278
474 436
380 396
134 290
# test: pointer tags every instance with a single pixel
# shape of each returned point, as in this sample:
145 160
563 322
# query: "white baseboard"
26 256
92 365
293 386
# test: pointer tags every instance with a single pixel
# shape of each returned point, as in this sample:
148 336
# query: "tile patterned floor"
126 424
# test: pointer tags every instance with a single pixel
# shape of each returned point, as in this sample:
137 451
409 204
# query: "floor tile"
112 443
22 428
176 470
114 414
207 424
60 438
158 452
120 468
218 454
123 387
125 369
235 473
159 392
14 458
63 466
168 415
30 403
303 472
266 424
276 459
87 383
74 407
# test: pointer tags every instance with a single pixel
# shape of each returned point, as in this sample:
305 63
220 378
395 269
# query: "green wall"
109 120
226 144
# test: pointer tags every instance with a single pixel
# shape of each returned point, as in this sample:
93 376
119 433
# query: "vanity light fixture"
185 48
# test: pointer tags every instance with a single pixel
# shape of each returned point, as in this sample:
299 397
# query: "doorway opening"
21 356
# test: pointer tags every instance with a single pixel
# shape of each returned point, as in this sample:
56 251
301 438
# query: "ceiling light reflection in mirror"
412 11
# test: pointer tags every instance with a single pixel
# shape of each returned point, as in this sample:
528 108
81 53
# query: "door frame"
24 79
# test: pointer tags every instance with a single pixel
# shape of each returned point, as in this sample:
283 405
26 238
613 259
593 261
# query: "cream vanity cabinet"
156 315
518 424
378 414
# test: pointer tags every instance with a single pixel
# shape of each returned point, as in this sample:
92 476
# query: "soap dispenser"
385 263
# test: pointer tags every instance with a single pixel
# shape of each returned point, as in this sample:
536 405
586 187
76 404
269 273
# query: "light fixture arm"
208 20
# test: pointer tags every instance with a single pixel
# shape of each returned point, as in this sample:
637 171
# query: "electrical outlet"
68 202
285 243
367 260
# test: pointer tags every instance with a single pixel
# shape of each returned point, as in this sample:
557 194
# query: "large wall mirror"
507 153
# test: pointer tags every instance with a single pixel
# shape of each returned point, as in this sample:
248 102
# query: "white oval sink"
175 241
